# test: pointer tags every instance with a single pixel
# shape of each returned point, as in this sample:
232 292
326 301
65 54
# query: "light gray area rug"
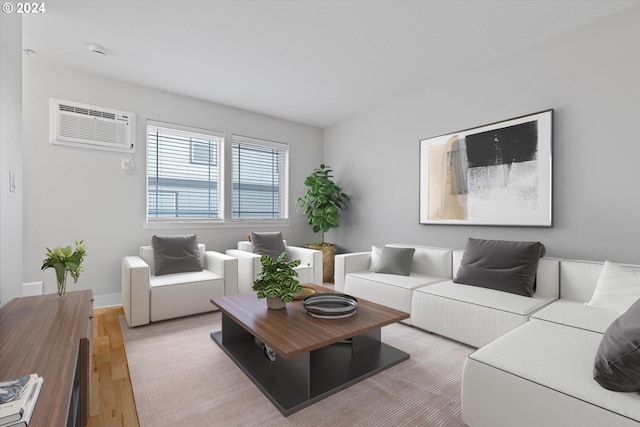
181 377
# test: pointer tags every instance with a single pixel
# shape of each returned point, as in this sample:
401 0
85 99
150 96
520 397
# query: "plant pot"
328 260
275 303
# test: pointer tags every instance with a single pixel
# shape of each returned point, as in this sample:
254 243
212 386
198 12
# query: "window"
260 179
184 177
204 153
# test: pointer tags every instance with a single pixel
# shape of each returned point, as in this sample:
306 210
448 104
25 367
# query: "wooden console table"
52 337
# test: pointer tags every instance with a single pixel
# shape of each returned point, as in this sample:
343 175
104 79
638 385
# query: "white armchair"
249 266
150 298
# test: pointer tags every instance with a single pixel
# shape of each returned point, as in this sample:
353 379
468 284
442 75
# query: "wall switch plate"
127 166
12 181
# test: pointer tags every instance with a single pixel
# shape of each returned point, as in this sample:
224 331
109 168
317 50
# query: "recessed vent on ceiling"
88 126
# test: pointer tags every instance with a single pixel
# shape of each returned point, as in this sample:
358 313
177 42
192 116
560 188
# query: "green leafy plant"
277 278
322 202
65 260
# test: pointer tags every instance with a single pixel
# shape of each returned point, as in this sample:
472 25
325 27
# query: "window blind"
260 179
183 173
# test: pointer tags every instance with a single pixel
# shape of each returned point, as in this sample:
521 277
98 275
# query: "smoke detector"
98 50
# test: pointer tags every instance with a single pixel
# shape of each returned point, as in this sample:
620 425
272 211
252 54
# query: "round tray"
330 306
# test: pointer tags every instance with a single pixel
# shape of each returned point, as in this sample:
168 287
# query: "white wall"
590 77
74 193
10 156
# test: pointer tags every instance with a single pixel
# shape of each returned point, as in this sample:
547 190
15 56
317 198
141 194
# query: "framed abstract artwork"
497 174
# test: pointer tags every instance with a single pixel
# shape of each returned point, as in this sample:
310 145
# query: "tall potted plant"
322 204
277 282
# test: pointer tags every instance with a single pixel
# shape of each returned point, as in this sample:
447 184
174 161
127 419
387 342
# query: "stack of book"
18 397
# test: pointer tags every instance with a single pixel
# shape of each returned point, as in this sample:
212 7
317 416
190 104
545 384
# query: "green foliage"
64 259
277 278
323 201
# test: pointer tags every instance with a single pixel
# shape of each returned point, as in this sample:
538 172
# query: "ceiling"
316 62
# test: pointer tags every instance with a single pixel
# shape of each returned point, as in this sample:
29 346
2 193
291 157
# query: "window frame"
225 165
284 178
190 132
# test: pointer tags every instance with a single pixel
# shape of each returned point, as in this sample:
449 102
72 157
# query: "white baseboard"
107 300
31 288
99 301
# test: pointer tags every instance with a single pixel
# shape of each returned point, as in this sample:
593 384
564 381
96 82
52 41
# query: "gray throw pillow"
176 254
268 243
617 361
395 261
501 265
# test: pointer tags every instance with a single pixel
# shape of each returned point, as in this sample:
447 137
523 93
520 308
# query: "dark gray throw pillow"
268 243
501 265
176 254
395 261
617 361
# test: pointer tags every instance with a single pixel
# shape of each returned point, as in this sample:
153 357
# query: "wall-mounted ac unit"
88 126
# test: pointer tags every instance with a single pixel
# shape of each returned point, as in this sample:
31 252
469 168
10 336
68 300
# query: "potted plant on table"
65 260
277 282
322 204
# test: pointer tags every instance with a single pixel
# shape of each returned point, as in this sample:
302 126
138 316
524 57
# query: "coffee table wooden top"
292 331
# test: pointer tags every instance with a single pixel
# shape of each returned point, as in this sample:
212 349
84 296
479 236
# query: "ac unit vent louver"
82 125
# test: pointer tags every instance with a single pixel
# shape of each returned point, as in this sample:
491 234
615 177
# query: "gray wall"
10 156
590 77
75 193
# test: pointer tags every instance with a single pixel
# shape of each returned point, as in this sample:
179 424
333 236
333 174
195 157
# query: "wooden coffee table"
314 357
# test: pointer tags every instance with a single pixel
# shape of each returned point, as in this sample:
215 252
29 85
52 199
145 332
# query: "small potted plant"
321 204
277 282
65 260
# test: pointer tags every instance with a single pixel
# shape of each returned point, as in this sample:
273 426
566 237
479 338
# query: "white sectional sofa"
541 373
535 361
468 314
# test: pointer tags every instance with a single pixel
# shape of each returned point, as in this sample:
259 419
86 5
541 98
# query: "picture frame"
498 174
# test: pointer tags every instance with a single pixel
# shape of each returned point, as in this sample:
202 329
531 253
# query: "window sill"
204 224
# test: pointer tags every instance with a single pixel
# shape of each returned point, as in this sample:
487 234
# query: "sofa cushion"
485 297
178 279
559 358
176 254
410 282
576 315
617 362
395 261
194 290
617 289
502 265
391 290
269 243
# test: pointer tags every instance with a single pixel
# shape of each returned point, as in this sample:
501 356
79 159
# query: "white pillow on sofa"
375 258
617 289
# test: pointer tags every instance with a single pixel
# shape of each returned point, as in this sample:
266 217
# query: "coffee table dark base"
295 383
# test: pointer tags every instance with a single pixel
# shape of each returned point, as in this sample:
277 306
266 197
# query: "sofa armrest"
248 268
136 294
350 263
309 257
225 266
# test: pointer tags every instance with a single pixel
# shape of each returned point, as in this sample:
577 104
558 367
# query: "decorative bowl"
330 306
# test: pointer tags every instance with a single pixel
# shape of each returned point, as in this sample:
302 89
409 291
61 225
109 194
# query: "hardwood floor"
112 403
